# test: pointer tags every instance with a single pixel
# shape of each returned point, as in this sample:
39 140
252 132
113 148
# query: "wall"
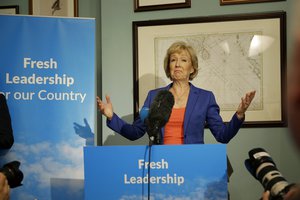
114 65
117 62
23 5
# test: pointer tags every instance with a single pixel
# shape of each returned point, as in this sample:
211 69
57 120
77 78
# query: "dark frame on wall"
143 5
146 41
11 9
231 2
54 8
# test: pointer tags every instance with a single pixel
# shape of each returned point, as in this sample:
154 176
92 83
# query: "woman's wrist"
240 115
109 117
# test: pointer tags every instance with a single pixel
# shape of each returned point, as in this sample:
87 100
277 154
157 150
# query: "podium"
156 172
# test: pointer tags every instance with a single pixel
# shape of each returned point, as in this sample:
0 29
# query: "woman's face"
181 66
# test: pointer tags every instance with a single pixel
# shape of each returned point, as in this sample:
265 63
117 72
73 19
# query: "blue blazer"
201 110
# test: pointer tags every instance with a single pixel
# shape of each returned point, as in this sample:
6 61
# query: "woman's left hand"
245 103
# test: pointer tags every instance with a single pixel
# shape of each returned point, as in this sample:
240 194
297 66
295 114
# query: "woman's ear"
192 70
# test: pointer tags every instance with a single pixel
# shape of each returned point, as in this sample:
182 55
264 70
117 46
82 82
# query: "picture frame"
231 2
221 42
150 5
10 10
65 8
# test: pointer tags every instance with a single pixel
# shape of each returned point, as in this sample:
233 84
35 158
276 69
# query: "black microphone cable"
149 160
147 150
159 114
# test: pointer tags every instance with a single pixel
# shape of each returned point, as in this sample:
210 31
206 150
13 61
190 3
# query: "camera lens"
13 174
263 168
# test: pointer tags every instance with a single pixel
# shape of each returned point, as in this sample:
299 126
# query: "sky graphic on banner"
47 73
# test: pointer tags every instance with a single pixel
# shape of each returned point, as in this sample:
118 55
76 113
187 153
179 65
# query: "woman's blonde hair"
178 47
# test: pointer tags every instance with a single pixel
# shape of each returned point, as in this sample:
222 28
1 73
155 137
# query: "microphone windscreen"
159 114
161 108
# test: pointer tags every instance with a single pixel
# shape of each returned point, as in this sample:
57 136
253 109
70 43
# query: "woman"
192 110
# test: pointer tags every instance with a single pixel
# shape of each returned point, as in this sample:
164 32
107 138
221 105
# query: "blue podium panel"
172 172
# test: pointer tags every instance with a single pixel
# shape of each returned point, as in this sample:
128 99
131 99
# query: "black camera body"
261 165
13 174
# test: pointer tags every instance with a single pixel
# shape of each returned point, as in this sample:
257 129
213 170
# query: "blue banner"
173 172
47 73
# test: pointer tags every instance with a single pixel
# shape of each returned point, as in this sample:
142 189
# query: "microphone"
144 113
159 114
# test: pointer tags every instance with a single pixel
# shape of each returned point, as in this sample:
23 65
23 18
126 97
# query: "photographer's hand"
4 188
265 196
293 194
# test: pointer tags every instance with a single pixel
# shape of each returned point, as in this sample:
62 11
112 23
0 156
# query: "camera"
13 174
261 165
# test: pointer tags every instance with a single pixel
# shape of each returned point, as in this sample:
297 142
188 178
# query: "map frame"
273 24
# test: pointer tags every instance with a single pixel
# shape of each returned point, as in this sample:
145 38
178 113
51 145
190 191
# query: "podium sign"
172 172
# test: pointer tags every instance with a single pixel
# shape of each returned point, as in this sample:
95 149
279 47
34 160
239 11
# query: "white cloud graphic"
198 187
45 160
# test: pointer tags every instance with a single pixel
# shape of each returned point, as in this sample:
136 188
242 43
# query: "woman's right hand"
105 108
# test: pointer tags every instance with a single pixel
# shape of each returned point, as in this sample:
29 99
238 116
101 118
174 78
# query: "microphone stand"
156 141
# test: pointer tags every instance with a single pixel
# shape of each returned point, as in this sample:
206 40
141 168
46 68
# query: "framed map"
236 54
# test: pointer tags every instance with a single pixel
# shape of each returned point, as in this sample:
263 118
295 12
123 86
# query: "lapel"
193 97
